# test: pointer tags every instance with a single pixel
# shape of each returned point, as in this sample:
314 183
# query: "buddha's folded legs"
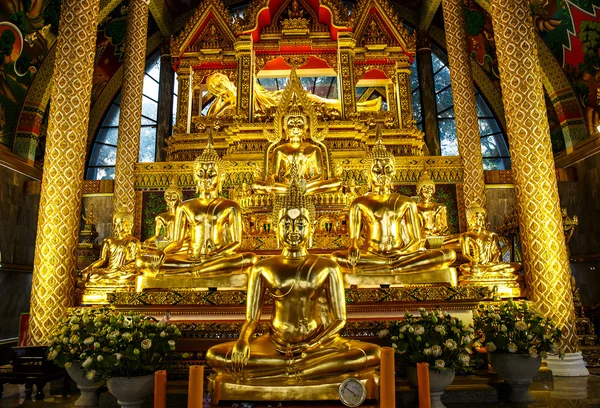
335 358
417 261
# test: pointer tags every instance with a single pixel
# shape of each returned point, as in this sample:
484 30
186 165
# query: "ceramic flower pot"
438 381
131 392
88 388
518 371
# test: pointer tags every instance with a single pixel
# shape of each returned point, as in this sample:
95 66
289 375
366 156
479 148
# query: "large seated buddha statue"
309 155
392 239
117 257
207 230
303 346
482 248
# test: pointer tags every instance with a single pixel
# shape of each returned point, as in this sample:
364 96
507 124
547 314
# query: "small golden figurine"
207 230
118 254
433 217
164 223
308 156
393 239
309 312
482 248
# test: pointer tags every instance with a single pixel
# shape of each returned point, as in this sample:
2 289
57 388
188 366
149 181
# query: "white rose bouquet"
434 337
515 328
114 344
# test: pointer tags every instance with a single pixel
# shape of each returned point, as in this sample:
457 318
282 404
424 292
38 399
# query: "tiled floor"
560 393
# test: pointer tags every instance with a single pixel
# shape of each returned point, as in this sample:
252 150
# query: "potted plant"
517 338
129 350
436 338
70 347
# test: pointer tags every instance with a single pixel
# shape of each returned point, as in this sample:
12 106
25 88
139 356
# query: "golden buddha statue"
117 256
164 223
309 312
207 230
433 217
393 242
307 156
482 248
225 93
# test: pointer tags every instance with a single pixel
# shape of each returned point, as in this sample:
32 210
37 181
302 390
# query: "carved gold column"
404 96
346 44
60 200
130 118
245 58
465 108
544 250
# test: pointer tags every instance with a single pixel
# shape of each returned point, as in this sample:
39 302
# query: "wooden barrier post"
160 389
196 387
387 391
423 385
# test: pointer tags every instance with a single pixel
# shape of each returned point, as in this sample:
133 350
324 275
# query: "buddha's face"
121 227
427 192
382 171
295 127
477 220
206 177
294 227
172 198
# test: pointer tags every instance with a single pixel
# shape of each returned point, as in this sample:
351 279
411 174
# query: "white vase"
517 370
88 388
131 392
438 381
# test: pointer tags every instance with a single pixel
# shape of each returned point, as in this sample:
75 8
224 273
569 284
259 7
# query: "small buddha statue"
295 11
481 247
308 314
432 216
117 256
393 238
207 230
225 93
308 157
164 223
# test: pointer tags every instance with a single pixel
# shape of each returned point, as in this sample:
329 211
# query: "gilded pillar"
245 86
404 96
427 93
346 44
130 118
60 200
544 250
465 108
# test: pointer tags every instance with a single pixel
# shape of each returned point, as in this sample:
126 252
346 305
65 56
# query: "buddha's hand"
240 355
353 254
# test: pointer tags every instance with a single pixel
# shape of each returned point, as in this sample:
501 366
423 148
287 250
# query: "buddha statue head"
173 195
425 187
380 166
295 215
296 124
476 218
122 224
206 171
219 85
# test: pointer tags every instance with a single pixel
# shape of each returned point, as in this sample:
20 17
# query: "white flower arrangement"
435 337
516 328
109 344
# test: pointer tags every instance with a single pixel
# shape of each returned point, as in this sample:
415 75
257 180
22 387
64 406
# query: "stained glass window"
101 165
494 147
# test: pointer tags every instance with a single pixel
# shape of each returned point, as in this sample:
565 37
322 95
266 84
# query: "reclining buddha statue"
225 92
310 154
207 230
309 311
392 240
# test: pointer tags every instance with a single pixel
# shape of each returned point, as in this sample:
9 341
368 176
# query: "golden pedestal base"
99 293
501 288
237 280
437 276
226 388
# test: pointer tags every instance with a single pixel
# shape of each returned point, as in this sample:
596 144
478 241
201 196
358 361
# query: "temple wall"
18 222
